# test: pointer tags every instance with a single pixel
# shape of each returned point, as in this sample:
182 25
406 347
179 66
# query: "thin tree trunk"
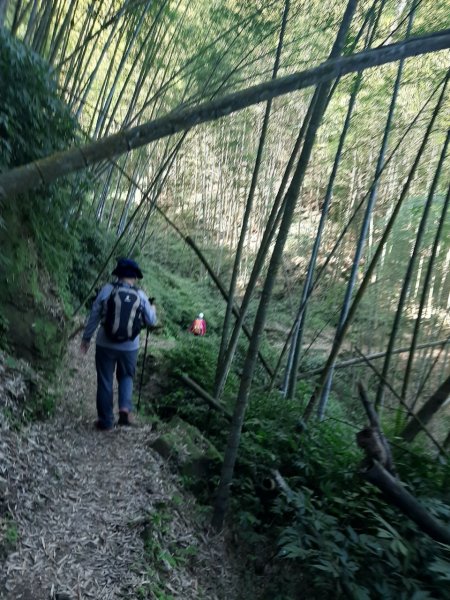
182 70
430 369
425 290
296 334
81 98
18 16
409 412
91 36
428 410
248 209
360 293
398 496
290 380
59 37
230 455
338 242
269 233
136 28
365 225
409 272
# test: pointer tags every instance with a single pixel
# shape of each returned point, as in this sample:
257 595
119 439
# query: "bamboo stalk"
365 223
47 170
367 277
248 208
360 361
231 450
408 275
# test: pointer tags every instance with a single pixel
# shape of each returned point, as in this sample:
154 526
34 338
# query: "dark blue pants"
106 361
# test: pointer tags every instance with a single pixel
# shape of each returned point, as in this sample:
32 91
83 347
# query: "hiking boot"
124 418
100 427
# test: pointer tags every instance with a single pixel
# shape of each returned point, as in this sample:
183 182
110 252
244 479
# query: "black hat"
126 267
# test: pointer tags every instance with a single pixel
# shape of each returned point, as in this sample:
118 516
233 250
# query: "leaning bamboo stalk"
271 227
291 197
428 410
147 47
425 289
247 212
388 161
91 36
290 378
354 362
365 222
204 395
49 169
19 16
136 211
74 70
130 43
31 22
418 422
338 242
367 277
43 28
397 495
80 95
426 373
60 32
155 196
183 70
409 271
269 233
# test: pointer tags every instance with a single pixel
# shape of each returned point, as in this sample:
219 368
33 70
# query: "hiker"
198 325
122 309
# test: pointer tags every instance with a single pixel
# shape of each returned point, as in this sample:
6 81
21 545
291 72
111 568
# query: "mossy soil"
33 317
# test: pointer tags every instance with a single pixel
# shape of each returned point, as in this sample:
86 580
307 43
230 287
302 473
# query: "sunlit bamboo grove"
333 198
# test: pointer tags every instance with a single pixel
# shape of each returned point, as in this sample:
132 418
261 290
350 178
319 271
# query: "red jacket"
198 327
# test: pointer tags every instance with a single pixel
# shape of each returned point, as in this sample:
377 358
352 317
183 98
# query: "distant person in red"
198 326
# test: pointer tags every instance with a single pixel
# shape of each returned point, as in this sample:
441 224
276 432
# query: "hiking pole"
142 372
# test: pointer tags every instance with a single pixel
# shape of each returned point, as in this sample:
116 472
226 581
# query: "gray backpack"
123 318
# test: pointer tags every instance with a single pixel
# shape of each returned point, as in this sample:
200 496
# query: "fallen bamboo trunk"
358 361
398 496
48 169
204 395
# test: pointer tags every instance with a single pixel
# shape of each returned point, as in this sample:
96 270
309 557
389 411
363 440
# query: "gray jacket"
98 311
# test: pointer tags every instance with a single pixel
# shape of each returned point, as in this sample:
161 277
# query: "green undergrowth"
164 550
341 533
50 252
179 299
332 534
329 533
9 534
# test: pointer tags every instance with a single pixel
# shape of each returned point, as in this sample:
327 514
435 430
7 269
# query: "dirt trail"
84 501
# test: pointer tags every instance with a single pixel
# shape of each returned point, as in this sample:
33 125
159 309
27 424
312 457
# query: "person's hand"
84 346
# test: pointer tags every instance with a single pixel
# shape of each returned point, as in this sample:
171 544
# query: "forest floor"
99 515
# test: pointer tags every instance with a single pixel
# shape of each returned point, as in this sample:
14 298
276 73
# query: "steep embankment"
99 515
